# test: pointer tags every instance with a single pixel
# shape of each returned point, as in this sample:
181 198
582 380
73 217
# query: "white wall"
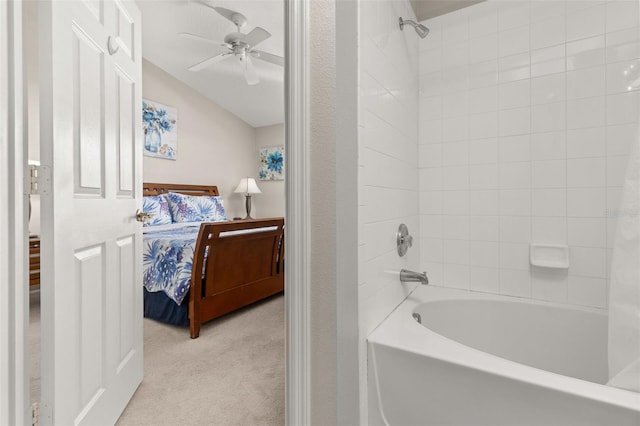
526 122
388 152
215 147
271 203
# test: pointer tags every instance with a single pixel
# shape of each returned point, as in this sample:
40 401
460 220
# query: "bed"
214 267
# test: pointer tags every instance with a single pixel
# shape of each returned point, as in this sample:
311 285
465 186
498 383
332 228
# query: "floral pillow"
156 205
187 208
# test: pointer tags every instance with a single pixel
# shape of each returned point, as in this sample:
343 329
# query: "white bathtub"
479 359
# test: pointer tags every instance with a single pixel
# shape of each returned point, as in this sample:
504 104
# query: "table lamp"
247 187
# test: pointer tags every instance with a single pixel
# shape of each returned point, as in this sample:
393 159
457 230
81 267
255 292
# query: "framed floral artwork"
160 125
271 163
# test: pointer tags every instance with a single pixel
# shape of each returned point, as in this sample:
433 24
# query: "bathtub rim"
399 330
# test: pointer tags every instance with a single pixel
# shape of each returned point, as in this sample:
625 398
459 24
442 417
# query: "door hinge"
39 179
35 414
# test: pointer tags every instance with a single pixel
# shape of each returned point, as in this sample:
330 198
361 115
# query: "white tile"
548 146
586 172
549 60
456 227
515 229
514 121
515 202
454 129
583 143
586 53
586 202
430 179
515 67
621 15
514 94
549 88
549 174
586 23
455 31
514 256
431 202
483 253
543 10
456 251
612 231
483 151
549 117
483 22
484 99
617 170
485 280
514 148
587 232
455 177
623 45
455 79
622 108
586 82
548 32
515 283
483 48
513 41
587 112
434 271
573 6
455 55
484 203
430 131
620 138
588 262
622 76
512 14
430 61
549 230
483 176
431 84
515 175
483 125
430 155
455 202
549 286
483 74
456 276
484 228
455 153
431 248
549 202
587 291
431 226
431 108
454 104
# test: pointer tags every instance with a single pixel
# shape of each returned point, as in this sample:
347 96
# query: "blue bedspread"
168 259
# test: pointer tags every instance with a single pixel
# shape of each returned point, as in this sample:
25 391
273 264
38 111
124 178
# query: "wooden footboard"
232 271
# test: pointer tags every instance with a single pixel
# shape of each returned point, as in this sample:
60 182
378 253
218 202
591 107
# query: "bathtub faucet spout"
407 276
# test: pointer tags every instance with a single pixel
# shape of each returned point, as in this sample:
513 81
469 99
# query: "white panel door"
91 186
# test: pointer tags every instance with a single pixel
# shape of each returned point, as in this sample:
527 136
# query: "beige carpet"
233 374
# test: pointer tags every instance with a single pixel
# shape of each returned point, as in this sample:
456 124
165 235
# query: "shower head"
420 29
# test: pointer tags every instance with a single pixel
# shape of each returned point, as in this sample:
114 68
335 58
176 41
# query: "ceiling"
258 105
224 83
425 9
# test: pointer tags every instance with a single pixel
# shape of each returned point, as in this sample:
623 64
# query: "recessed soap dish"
549 256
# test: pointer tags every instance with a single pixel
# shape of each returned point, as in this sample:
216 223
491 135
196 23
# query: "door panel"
91 244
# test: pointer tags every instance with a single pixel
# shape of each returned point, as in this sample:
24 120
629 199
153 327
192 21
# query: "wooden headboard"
149 188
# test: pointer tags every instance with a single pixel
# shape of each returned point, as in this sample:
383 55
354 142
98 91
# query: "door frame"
14 294
14 305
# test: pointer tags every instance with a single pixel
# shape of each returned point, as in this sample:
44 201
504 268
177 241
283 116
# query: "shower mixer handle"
407 276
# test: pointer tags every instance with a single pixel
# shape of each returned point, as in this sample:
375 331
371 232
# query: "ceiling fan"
238 45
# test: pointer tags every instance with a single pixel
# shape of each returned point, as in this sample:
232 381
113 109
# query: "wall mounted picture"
160 124
271 163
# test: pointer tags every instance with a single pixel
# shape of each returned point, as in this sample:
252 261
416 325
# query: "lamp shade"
248 186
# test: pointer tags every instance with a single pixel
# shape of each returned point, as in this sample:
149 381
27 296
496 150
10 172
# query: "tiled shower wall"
527 114
388 159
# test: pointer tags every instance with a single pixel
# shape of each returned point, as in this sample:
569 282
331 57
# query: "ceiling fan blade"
196 37
249 69
256 36
268 57
209 61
